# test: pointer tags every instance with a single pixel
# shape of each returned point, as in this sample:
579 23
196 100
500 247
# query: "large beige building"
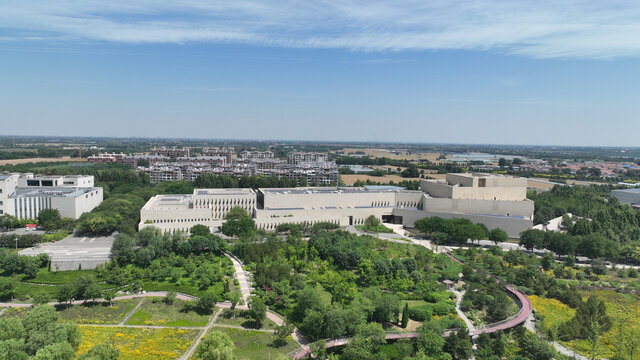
25 195
494 200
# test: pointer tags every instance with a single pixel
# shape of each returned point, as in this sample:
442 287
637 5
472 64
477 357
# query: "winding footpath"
524 306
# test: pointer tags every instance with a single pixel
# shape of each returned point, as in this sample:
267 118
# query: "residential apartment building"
173 153
298 157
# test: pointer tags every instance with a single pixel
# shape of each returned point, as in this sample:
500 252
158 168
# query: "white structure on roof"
494 200
25 195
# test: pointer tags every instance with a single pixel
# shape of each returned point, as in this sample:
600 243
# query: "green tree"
238 223
101 352
366 342
200 230
49 219
234 297
532 238
216 346
458 344
56 351
498 235
405 315
283 331
257 310
207 302
65 293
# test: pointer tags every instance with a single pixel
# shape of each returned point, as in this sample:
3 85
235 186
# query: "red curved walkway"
523 303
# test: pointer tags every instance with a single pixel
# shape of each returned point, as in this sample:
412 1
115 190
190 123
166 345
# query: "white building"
494 200
25 195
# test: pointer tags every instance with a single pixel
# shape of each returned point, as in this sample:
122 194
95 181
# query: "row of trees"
458 230
253 182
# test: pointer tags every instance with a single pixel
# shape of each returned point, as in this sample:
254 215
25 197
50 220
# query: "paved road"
126 318
241 276
459 295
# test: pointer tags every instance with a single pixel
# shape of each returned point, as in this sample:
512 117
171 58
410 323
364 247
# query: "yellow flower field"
554 311
624 310
139 343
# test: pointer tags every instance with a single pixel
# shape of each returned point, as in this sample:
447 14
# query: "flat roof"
52 191
232 191
633 191
331 190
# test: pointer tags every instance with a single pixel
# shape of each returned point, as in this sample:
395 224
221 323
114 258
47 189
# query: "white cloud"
541 28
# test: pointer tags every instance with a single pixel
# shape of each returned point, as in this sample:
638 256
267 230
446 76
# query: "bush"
420 313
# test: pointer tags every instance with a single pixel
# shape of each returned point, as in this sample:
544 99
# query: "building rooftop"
233 191
331 190
52 191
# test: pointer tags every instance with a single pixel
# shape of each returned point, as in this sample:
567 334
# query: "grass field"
159 313
150 285
26 290
139 344
242 319
61 277
624 310
553 311
97 313
56 236
256 345
39 159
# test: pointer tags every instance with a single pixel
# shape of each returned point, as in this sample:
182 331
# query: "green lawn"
242 319
150 285
56 236
25 290
61 277
97 313
159 313
256 345
375 229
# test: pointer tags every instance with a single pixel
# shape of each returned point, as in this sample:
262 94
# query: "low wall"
66 265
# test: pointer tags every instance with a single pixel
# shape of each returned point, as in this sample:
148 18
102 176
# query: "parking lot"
75 252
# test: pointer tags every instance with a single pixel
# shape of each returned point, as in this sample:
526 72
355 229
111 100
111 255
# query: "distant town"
165 249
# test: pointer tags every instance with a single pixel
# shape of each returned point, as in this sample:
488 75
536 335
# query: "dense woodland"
605 227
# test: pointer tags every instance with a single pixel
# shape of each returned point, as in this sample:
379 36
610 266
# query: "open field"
624 310
256 345
137 343
35 160
553 311
159 313
350 179
399 155
97 313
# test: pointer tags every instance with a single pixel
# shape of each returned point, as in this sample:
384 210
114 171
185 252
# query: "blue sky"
486 71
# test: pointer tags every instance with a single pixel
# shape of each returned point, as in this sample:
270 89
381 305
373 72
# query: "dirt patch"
34 160
394 154
351 179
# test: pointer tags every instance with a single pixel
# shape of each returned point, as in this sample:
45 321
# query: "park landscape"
165 296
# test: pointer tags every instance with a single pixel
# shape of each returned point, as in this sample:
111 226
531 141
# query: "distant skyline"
481 72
